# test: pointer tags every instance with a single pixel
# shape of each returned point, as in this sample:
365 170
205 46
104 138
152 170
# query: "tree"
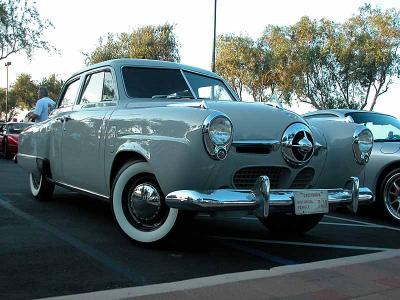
12 106
233 60
149 42
24 91
331 65
376 35
53 85
21 28
155 42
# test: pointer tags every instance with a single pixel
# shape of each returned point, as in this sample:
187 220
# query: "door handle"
64 119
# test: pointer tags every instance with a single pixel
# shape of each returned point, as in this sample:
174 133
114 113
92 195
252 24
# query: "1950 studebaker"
160 139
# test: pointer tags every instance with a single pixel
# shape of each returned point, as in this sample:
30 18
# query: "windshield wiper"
171 97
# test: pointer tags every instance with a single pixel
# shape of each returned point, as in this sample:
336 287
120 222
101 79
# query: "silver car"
382 173
162 141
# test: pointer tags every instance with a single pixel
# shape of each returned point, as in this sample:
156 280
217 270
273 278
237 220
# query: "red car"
9 133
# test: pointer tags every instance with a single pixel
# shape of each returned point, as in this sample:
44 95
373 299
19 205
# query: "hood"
255 120
13 136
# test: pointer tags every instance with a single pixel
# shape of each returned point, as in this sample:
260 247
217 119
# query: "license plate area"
311 202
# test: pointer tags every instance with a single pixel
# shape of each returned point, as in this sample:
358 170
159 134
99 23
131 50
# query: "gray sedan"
382 173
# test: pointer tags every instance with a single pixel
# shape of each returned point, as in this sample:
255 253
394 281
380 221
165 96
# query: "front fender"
340 163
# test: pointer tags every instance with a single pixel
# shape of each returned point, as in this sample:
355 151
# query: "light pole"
215 32
7 64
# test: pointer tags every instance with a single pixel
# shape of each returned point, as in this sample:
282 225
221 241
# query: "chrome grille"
245 178
303 178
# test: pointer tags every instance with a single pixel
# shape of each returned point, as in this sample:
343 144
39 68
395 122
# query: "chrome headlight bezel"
363 141
217 149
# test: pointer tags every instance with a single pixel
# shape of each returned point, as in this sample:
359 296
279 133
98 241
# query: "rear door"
64 107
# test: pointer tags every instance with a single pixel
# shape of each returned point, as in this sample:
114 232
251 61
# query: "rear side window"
70 94
155 83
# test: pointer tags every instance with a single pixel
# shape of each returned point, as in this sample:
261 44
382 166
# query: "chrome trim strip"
77 189
28 156
197 104
261 198
272 144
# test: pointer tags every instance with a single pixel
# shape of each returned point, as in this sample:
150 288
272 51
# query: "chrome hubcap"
392 195
144 202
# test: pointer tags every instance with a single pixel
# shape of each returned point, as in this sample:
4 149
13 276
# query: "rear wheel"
41 188
138 205
285 223
390 194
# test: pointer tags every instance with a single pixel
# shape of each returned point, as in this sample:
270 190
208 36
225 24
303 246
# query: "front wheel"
285 223
41 188
138 205
390 194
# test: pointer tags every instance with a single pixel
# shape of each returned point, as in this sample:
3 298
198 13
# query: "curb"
227 278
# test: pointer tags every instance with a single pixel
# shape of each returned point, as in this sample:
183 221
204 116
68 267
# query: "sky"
79 24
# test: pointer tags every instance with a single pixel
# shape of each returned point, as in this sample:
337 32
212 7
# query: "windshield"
159 83
384 128
15 128
208 88
155 83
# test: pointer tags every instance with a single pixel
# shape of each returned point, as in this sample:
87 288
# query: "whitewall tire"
41 188
138 205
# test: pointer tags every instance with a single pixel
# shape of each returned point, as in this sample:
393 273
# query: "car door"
83 133
65 105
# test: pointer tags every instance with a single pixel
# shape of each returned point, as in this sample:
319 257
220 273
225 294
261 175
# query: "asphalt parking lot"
71 245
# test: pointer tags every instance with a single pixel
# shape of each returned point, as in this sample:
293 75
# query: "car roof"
131 62
29 123
341 112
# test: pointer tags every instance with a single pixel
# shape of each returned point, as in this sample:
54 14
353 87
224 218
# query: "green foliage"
149 42
53 85
319 62
23 93
21 28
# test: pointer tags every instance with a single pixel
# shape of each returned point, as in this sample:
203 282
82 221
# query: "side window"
93 88
70 94
98 87
108 88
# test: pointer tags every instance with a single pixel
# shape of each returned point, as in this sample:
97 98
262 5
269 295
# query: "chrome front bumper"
261 199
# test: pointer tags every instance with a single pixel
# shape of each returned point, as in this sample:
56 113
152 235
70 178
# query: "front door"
83 134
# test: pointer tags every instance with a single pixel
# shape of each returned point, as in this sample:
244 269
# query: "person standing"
43 106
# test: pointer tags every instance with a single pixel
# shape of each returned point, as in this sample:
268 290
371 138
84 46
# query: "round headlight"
217 135
220 131
363 140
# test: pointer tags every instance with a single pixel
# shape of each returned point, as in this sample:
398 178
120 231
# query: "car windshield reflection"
384 128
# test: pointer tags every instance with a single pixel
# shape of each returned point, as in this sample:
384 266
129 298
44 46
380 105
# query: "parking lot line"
277 242
364 223
74 242
347 224
257 253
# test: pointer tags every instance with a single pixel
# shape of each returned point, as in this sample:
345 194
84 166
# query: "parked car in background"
382 173
161 140
9 134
